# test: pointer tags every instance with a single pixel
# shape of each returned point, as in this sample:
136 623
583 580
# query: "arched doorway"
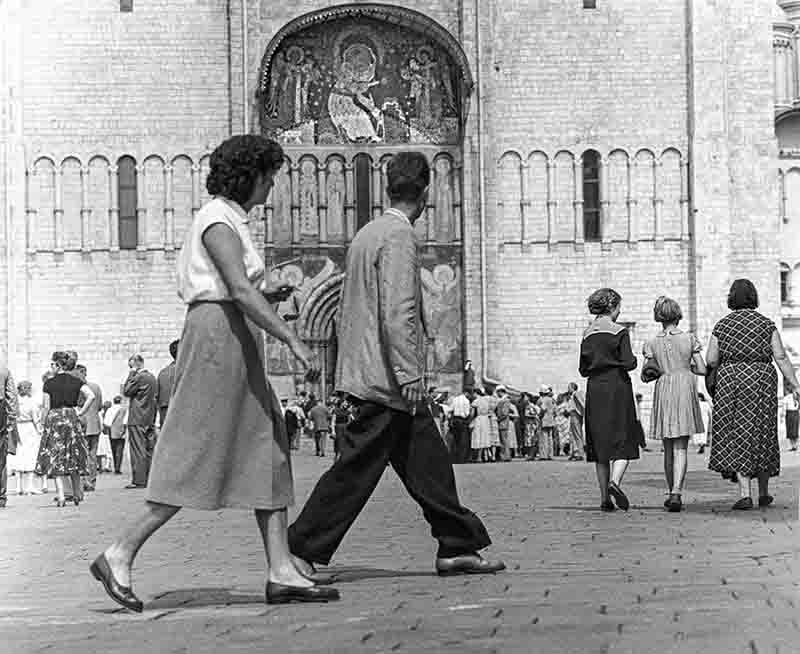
343 89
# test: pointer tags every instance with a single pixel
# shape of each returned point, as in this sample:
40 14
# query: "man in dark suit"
380 368
166 378
141 387
93 426
9 409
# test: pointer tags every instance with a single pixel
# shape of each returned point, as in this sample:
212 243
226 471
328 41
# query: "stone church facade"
573 144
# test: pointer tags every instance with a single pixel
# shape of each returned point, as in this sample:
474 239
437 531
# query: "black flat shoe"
675 503
608 506
667 501
122 595
467 564
744 504
281 594
619 497
765 500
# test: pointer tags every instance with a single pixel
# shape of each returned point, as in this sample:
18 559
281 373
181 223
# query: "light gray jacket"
380 325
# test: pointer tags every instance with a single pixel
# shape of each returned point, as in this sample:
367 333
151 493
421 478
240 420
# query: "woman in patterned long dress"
676 410
743 346
224 441
612 430
63 451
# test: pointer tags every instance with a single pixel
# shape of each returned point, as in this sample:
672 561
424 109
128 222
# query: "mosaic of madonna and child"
360 82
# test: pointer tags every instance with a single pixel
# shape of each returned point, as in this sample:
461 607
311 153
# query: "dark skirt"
63 450
224 441
612 430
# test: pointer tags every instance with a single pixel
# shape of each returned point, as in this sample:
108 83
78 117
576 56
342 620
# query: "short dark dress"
63 450
612 430
745 413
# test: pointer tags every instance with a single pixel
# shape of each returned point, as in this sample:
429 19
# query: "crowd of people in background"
68 433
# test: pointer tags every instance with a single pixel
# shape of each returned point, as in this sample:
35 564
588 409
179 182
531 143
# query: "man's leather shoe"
467 564
281 594
122 595
765 500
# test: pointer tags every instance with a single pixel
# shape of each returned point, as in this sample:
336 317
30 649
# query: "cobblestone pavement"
579 580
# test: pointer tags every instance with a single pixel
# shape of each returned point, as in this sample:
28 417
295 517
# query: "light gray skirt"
224 442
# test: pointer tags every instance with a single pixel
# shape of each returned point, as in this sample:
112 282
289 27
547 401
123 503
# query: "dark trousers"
162 415
117 450
320 440
461 439
90 480
294 439
3 470
412 445
142 440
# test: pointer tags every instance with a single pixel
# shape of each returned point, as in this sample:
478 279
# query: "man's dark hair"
81 368
173 349
237 162
408 174
117 399
743 295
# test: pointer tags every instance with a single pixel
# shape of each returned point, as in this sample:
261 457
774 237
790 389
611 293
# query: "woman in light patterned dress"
481 440
676 412
742 348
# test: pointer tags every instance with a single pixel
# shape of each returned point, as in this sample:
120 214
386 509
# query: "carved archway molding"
402 16
318 312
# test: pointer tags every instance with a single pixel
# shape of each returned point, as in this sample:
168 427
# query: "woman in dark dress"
63 451
613 435
742 349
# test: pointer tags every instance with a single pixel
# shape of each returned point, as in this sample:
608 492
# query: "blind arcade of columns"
343 90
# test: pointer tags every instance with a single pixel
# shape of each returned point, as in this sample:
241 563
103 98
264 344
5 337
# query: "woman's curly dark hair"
743 295
237 162
63 360
602 301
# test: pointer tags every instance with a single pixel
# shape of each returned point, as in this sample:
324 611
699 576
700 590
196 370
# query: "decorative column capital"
792 10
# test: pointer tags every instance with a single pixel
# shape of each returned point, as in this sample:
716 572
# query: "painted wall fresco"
442 281
359 80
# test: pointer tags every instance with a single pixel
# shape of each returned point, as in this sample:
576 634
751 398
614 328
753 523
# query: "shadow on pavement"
346 575
195 597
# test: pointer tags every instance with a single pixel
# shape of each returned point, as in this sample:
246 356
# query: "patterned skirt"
745 419
63 449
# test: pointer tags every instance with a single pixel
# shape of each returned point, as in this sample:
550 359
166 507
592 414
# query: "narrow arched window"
591 195
126 196
786 284
363 166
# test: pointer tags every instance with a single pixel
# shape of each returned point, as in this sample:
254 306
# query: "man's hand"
412 394
275 294
308 359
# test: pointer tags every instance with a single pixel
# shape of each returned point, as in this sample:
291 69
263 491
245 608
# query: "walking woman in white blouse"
224 442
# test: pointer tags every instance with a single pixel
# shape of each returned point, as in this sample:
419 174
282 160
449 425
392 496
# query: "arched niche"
364 74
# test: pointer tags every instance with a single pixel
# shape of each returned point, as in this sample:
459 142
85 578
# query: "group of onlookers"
318 419
57 434
479 426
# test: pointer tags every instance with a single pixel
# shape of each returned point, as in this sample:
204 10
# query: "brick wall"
556 79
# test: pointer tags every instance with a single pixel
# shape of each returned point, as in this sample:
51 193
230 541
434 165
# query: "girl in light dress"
676 411
29 428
